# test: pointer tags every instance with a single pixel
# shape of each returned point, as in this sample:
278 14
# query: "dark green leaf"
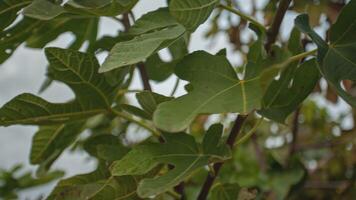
180 150
8 11
337 61
50 141
284 95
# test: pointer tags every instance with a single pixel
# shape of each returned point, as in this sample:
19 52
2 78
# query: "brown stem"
272 33
295 129
259 154
217 166
144 76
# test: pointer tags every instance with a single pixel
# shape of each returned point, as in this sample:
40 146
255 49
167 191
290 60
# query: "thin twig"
261 158
272 33
295 129
243 16
144 77
230 142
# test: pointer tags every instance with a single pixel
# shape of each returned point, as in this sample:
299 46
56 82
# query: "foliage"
284 144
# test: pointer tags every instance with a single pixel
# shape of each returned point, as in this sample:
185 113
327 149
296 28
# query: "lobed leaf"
336 60
180 150
216 89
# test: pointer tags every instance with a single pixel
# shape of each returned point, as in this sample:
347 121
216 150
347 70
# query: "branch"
261 158
217 166
144 77
295 129
272 33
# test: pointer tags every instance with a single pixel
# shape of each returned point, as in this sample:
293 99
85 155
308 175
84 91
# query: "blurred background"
325 120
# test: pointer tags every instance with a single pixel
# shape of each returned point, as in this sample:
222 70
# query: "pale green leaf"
216 89
43 10
141 47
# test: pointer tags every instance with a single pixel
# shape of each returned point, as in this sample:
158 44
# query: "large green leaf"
79 71
216 89
8 11
192 13
180 150
146 40
50 141
336 60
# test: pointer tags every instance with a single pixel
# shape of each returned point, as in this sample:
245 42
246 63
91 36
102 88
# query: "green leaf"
337 61
225 191
14 36
95 144
153 21
43 10
97 185
9 10
180 150
216 89
150 100
79 71
136 111
192 13
84 29
99 7
50 141
157 69
284 95
146 40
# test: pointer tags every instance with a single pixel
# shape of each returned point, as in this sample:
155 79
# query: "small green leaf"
43 10
192 13
150 100
336 61
140 48
180 150
216 89
284 95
